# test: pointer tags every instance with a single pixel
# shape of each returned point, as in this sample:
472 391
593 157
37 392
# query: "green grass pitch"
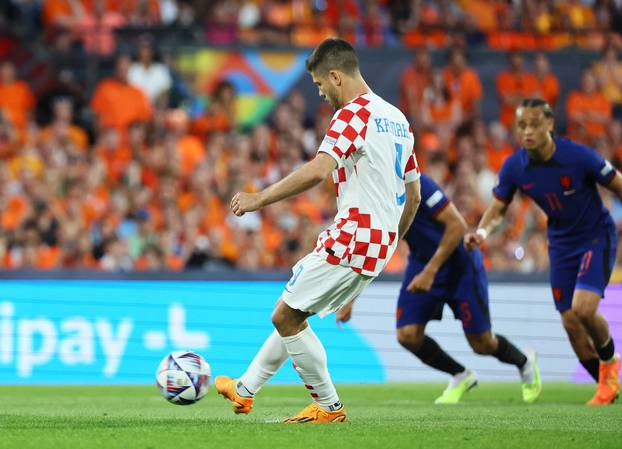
380 416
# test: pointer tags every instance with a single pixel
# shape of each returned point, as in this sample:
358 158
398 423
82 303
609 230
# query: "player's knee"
279 320
570 321
286 321
409 338
482 346
583 312
573 326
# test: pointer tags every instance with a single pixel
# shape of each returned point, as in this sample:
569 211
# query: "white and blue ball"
183 377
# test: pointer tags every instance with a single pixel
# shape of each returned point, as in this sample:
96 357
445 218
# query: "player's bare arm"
616 185
413 198
492 218
344 314
455 227
309 175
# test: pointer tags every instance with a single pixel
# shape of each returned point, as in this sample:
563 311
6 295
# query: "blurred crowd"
121 177
501 24
145 187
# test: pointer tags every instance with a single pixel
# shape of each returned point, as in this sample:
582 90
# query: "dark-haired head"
537 103
334 69
333 54
534 126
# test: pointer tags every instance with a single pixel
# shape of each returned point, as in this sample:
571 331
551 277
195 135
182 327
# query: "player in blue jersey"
561 176
441 271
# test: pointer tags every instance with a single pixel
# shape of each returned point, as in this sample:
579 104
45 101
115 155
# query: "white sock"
526 372
309 358
266 363
456 379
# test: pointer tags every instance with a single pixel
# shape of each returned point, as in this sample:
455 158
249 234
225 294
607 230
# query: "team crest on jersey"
565 181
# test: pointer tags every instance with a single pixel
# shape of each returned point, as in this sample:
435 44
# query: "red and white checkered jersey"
374 148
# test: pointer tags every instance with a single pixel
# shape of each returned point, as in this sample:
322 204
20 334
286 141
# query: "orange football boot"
608 383
226 387
314 414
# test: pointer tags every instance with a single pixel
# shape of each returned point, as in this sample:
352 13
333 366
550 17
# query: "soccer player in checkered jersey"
561 176
369 150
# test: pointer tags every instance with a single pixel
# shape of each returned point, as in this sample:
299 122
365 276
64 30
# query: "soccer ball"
183 377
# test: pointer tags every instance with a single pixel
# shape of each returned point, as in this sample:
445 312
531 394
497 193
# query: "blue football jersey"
564 187
425 233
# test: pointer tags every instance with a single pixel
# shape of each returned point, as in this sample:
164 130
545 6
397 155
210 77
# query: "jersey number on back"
400 173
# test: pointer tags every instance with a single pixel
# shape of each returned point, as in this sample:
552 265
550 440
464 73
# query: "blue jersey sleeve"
433 200
505 189
596 167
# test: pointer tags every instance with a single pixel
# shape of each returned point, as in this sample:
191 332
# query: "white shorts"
321 288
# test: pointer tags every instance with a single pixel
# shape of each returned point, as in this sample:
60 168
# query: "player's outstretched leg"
309 358
581 342
412 337
266 363
585 305
487 343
